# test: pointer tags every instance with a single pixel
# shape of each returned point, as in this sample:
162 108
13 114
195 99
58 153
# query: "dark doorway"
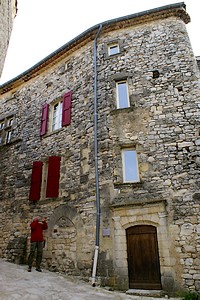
143 258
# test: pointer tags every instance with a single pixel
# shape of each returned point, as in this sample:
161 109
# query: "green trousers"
35 246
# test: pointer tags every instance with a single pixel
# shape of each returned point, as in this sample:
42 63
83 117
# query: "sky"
42 26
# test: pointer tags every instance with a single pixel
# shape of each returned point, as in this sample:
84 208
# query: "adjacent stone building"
123 96
8 10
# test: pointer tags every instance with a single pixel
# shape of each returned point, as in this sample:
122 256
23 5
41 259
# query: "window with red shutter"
43 128
52 189
66 109
36 180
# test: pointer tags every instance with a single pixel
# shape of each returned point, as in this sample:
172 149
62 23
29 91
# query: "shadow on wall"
16 250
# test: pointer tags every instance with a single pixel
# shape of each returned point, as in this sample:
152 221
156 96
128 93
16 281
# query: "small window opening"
179 88
156 74
113 49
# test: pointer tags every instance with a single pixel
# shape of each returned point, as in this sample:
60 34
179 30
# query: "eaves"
174 10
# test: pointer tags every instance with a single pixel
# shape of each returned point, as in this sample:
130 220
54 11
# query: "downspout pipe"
98 210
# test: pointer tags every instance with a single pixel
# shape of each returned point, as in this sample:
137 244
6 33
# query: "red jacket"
36 230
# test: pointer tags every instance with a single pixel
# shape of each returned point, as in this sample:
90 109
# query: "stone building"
8 10
102 138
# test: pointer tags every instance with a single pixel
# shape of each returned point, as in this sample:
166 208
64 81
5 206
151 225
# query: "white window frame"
56 120
8 136
2 124
10 122
120 102
113 47
126 165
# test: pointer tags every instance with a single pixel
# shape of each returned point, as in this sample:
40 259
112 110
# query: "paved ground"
17 283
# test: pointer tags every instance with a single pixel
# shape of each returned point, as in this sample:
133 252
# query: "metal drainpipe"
98 212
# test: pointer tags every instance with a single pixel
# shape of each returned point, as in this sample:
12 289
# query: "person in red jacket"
37 242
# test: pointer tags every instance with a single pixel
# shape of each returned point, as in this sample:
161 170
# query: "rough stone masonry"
160 124
8 11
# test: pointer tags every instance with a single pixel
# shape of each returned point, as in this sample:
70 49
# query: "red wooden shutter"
66 110
36 180
52 189
43 128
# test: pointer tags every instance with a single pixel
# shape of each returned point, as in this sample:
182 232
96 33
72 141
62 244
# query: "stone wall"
198 61
8 10
161 124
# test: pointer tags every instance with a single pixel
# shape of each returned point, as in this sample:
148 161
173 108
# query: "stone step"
147 293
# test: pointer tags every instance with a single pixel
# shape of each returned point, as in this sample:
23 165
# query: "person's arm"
44 223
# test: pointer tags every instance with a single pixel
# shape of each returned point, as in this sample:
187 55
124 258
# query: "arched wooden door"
143 258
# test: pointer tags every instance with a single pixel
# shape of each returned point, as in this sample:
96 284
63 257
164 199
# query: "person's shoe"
38 269
29 269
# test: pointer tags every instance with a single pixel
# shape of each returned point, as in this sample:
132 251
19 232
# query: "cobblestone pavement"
17 283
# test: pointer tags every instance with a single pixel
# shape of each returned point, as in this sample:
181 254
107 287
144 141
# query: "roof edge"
85 34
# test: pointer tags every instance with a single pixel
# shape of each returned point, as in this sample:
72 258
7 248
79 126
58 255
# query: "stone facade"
8 10
198 61
156 61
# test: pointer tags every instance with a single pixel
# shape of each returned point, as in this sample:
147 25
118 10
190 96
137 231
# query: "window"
2 124
60 114
6 130
45 179
10 122
8 136
57 116
130 165
122 94
113 49
156 74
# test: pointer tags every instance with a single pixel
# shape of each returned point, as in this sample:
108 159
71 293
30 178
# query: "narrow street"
17 283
